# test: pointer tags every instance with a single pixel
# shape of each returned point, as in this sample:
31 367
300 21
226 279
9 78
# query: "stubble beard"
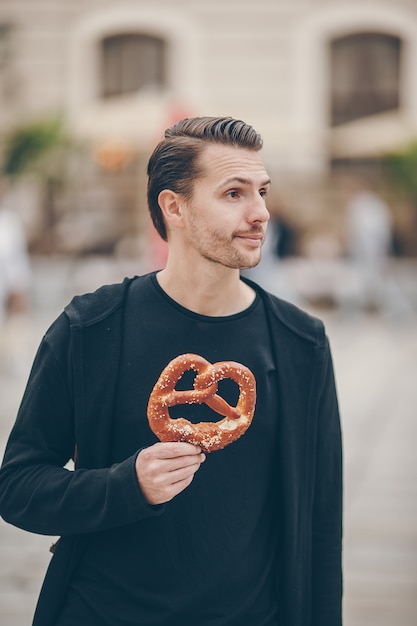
225 254
214 246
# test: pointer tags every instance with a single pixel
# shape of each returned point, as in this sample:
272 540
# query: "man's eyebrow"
245 181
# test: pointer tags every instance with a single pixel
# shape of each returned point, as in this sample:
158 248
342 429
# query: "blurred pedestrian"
15 282
368 233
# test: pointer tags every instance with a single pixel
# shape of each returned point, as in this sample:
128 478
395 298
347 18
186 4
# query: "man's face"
226 218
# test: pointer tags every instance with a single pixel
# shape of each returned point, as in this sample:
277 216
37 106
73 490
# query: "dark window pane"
365 76
131 62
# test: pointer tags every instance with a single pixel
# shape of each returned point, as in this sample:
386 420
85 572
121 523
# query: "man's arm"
38 494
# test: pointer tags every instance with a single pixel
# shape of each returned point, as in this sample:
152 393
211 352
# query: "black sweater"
76 369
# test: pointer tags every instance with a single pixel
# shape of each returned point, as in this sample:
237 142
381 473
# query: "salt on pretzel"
209 436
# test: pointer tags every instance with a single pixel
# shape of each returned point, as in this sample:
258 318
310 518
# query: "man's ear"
170 204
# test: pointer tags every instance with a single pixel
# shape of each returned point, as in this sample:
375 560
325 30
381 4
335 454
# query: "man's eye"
233 193
263 193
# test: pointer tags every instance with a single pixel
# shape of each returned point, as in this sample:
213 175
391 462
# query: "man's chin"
248 266
238 262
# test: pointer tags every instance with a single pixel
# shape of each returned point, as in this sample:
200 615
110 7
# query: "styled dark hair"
175 163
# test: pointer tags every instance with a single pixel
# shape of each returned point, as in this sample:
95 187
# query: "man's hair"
175 162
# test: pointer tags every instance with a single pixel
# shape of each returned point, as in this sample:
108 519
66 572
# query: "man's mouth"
250 236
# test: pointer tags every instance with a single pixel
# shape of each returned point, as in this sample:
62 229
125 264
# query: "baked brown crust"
209 436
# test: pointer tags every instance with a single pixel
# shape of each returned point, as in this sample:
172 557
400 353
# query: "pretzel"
209 436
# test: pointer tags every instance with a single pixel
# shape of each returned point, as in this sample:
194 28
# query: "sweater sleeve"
37 492
327 510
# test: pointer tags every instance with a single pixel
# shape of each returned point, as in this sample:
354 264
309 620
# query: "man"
159 533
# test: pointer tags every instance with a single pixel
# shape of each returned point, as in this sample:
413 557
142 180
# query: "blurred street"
375 360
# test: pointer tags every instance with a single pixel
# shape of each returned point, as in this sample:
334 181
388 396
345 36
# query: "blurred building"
326 82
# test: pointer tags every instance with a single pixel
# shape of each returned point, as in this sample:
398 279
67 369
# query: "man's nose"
258 211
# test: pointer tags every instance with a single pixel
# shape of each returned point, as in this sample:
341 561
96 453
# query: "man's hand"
166 469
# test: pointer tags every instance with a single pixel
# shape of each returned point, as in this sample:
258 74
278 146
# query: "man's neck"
215 293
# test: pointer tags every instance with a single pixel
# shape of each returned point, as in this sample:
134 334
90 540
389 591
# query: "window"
131 62
365 76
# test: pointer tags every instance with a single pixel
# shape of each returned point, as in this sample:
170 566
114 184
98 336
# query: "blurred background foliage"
32 147
401 168
40 152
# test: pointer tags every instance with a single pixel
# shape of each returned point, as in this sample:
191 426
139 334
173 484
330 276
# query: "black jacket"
69 402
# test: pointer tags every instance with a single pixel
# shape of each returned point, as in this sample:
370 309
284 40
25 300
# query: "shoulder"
92 308
288 315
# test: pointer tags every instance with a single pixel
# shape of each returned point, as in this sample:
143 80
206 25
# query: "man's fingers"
165 469
172 465
166 450
182 473
168 457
